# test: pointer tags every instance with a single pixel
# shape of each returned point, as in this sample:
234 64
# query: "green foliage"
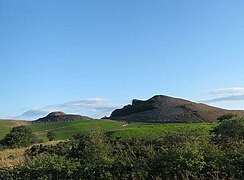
194 159
229 130
226 117
51 135
177 151
94 156
61 149
43 167
19 136
233 160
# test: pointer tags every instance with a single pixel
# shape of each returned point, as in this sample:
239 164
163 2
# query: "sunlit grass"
142 130
14 157
113 129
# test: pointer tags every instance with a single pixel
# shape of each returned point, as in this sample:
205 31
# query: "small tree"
51 135
19 136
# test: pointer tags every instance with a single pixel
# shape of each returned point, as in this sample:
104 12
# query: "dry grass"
16 122
13 157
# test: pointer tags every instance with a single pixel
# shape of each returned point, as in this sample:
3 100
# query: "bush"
194 159
175 156
229 130
19 136
233 160
51 135
43 167
226 116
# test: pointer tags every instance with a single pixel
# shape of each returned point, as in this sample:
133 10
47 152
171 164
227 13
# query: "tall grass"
14 157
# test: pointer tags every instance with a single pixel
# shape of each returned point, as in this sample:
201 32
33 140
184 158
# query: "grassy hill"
111 128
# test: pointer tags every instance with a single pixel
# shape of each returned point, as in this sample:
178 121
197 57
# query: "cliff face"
168 109
60 117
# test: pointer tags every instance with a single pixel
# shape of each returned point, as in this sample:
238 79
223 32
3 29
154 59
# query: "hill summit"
59 116
162 108
56 113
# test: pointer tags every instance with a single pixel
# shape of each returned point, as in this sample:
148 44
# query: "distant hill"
168 109
60 117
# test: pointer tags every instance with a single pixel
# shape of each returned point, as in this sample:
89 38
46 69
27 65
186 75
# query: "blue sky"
89 57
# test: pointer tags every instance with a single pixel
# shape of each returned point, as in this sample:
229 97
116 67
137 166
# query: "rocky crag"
165 109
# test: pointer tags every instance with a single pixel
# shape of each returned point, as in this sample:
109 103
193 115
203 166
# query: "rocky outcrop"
168 109
59 116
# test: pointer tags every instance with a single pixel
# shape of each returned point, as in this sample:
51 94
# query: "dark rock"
168 109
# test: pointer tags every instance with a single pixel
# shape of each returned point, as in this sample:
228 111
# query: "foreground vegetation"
16 156
186 154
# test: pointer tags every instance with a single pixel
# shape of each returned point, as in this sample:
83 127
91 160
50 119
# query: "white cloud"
225 95
234 90
93 107
231 98
32 114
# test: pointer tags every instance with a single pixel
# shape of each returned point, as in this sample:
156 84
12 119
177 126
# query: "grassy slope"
111 128
140 130
7 125
115 129
68 129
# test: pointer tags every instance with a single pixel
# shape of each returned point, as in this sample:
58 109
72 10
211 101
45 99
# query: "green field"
67 129
5 127
143 130
111 128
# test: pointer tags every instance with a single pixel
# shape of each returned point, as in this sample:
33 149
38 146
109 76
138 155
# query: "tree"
19 136
51 135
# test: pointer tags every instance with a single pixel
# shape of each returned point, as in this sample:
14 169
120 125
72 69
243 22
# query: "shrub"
175 156
229 130
19 136
43 167
51 135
